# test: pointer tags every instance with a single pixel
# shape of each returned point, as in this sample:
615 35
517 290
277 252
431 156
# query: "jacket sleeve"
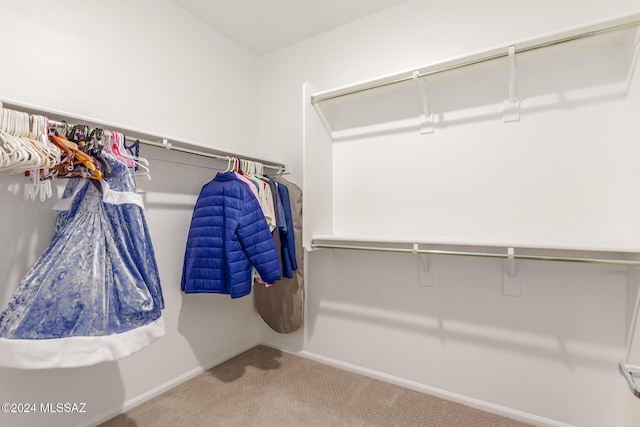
255 237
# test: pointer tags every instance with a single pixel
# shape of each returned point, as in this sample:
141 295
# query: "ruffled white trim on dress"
108 196
77 351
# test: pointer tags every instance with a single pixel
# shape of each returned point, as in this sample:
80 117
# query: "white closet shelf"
587 31
614 255
550 73
145 137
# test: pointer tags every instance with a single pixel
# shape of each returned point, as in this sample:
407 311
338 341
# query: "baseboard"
132 403
454 397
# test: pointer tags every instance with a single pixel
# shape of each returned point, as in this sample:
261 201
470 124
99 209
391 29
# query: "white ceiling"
263 26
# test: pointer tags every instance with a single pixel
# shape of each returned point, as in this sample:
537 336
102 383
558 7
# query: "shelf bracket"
424 266
427 119
511 106
323 119
630 372
634 60
511 282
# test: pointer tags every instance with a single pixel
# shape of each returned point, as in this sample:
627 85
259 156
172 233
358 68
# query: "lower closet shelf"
626 256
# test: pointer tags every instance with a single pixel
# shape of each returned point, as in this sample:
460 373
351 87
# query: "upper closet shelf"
545 64
145 137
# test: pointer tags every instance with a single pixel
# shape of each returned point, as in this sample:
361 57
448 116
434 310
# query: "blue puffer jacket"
228 234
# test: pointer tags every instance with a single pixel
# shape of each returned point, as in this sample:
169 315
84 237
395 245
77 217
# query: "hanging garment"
94 295
281 306
287 235
228 234
280 221
266 200
280 224
252 185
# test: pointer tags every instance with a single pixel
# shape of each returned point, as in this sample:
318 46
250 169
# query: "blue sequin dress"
94 295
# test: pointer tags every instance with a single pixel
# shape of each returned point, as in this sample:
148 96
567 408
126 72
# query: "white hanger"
37 158
141 162
40 158
40 131
33 156
20 151
4 156
14 155
13 147
228 165
118 139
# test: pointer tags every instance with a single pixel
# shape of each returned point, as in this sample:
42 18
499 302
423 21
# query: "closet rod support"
510 281
427 119
323 119
511 105
426 273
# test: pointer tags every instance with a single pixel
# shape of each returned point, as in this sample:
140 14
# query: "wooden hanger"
74 157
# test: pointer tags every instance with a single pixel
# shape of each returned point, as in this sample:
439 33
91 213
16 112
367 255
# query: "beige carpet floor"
266 387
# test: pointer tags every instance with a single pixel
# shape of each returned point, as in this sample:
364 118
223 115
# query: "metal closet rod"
320 98
315 245
181 149
280 168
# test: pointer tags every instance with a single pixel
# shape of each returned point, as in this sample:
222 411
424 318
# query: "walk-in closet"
273 213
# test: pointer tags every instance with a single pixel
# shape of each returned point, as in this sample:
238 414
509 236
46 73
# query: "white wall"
147 65
549 355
